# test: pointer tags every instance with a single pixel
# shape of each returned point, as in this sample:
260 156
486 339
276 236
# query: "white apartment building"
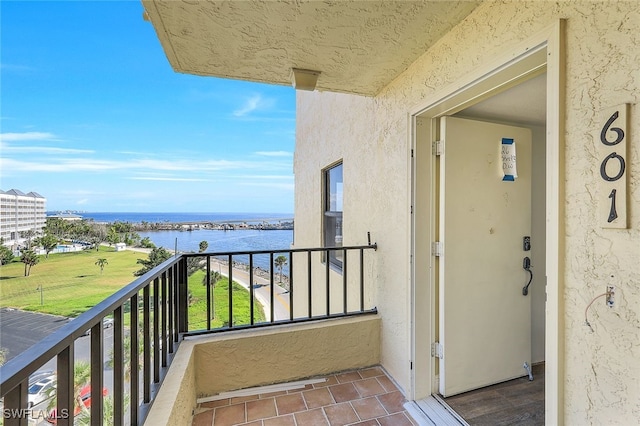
20 212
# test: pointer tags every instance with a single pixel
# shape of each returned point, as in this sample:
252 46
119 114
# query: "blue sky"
93 118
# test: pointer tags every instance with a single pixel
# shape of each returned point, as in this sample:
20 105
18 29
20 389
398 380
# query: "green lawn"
198 304
72 283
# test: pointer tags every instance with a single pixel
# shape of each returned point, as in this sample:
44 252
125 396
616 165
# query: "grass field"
220 317
72 283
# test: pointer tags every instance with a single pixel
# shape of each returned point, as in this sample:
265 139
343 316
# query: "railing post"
65 397
16 400
344 280
183 303
328 283
309 283
97 379
118 368
291 286
163 310
134 354
146 345
209 307
251 290
156 330
272 287
230 291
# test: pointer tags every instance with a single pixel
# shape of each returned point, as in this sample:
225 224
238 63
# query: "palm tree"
280 261
81 377
101 263
203 246
29 258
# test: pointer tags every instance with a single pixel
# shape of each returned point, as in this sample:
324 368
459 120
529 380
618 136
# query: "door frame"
542 52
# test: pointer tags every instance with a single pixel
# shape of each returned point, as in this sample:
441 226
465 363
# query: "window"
333 212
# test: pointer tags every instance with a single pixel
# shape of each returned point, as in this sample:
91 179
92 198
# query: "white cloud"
70 165
276 185
274 153
28 136
43 150
169 179
256 102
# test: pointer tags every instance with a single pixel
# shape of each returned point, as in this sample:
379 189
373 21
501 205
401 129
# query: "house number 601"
613 186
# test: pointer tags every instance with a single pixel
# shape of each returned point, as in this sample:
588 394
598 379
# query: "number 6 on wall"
613 171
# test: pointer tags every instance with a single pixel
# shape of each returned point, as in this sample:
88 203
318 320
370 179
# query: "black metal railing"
151 316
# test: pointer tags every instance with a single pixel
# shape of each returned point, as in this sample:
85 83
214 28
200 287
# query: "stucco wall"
602 371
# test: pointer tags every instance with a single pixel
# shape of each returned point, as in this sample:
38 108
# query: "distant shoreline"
143 222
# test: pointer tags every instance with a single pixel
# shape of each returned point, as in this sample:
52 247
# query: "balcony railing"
151 317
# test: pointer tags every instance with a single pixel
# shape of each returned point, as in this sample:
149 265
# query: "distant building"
20 212
71 217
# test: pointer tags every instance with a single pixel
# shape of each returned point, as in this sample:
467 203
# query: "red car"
85 396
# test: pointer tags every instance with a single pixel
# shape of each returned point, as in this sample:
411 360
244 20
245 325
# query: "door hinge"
437 248
437 350
410 365
437 148
412 153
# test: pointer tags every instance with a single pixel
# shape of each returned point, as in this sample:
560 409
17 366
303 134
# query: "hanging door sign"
508 154
612 168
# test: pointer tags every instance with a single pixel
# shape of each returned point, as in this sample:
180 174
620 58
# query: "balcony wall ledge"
209 365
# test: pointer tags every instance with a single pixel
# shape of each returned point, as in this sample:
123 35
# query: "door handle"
526 265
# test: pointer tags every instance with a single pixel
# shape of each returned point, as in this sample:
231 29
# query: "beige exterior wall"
372 136
209 365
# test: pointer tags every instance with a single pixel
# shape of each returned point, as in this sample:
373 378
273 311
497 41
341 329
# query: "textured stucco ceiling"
358 46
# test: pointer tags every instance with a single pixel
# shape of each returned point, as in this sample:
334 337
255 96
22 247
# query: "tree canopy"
156 257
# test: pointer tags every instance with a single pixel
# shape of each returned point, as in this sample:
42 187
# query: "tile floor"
364 397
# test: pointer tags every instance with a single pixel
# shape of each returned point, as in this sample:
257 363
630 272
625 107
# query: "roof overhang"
353 46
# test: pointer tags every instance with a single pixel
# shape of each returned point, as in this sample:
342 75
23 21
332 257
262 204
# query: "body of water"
217 240
225 241
183 217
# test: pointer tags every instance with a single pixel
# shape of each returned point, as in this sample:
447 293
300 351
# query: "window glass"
333 212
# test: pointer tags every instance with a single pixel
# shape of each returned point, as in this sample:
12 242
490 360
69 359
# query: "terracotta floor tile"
261 409
344 392
240 399
229 415
368 408
331 380
398 419
348 377
371 422
311 418
341 414
371 372
272 394
318 398
280 421
214 404
203 419
368 387
256 423
392 402
306 387
290 403
387 384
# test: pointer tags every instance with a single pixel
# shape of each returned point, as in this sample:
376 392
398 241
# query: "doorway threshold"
433 411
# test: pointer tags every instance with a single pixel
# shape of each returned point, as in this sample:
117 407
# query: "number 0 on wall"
612 190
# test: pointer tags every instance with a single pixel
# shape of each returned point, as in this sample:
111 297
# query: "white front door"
484 318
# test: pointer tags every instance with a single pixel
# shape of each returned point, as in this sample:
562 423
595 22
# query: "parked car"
85 396
107 322
41 390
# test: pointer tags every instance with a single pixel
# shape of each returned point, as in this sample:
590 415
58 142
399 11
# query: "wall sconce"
304 79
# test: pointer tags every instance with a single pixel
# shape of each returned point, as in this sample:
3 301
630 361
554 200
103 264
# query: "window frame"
332 212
